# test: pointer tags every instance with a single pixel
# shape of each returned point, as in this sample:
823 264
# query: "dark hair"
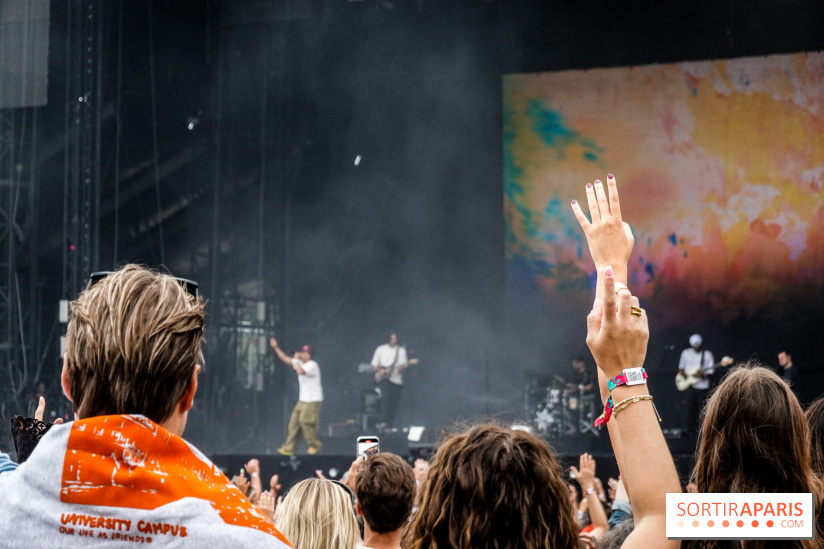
132 344
815 419
386 492
491 487
754 439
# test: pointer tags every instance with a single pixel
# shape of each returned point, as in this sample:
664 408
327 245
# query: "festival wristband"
630 376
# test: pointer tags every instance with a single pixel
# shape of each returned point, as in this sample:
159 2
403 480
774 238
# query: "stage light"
191 122
357 160
521 427
333 473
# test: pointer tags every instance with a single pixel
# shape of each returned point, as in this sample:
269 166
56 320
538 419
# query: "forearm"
612 426
596 512
647 470
283 356
257 489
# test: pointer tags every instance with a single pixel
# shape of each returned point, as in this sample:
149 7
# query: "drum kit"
560 409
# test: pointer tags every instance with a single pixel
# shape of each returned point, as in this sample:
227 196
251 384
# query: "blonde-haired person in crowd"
319 513
755 439
120 472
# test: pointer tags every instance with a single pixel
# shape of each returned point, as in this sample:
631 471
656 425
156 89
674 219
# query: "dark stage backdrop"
260 119
412 237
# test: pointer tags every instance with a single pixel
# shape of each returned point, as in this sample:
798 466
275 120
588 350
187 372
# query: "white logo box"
740 516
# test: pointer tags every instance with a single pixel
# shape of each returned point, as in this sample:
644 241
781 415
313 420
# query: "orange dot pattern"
725 523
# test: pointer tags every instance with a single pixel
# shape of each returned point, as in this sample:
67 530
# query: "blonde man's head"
132 345
318 513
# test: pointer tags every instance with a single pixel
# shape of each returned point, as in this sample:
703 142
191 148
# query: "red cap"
307 349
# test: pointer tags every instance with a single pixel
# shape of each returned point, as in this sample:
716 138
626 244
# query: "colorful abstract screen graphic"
721 163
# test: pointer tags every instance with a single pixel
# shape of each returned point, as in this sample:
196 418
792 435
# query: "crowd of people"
122 473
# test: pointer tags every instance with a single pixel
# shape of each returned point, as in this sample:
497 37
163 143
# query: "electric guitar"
386 371
690 377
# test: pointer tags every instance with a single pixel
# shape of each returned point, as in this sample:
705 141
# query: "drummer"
580 379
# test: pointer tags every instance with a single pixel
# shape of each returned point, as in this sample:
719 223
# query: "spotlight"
357 160
191 122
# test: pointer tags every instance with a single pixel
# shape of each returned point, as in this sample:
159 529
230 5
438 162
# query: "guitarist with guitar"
694 370
388 363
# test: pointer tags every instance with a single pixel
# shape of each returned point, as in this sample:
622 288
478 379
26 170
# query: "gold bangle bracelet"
632 400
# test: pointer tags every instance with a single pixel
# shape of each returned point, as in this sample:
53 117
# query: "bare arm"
610 242
618 340
586 479
281 355
253 468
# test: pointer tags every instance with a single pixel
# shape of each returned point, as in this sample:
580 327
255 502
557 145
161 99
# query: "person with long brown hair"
755 439
815 419
491 487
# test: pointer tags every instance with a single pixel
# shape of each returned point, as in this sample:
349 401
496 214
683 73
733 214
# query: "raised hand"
599 489
586 473
352 478
610 240
242 482
278 507
266 504
252 466
421 470
617 335
613 485
273 343
41 410
274 485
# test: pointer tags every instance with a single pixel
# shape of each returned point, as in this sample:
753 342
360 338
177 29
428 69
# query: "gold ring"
635 311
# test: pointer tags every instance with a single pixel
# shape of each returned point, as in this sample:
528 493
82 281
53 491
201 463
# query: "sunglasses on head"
346 489
190 286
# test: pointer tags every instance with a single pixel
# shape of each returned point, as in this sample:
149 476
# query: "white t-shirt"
386 355
310 387
690 358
